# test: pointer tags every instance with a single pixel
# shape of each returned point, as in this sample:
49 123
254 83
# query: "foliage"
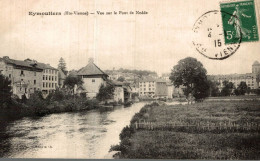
190 73
62 64
36 101
121 79
135 95
258 91
241 89
227 89
57 95
71 81
5 90
214 90
105 92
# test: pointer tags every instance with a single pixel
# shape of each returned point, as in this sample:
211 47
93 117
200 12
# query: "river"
85 134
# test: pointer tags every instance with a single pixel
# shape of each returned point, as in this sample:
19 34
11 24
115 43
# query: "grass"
167 144
236 97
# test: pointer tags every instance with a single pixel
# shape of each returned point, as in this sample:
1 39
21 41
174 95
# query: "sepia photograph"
130 79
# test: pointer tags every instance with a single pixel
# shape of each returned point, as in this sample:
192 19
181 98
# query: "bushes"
56 96
56 102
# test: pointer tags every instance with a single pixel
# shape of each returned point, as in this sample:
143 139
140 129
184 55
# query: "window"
43 77
93 80
49 77
49 85
22 73
55 78
52 85
52 78
34 81
43 84
46 85
10 75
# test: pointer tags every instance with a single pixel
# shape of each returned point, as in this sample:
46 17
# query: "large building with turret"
252 79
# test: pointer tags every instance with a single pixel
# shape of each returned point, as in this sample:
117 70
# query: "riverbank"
56 102
205 130
53 136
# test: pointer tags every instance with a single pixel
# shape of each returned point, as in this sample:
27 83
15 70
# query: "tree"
190 73
214 90
71 81
5 90
105 92
227 89
121 79
257 91
57 95
242 88
62 64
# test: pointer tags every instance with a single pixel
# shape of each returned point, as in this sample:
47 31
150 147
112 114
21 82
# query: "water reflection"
87 134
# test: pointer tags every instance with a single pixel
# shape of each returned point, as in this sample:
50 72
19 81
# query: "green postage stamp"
239 21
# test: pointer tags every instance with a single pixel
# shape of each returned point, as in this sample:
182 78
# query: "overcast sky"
156 41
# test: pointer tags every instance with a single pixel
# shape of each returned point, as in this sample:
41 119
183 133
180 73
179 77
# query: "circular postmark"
209 36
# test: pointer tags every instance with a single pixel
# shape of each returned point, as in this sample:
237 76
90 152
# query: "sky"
155 41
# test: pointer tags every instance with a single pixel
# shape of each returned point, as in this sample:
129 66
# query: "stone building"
50 78
256 68
26 77
252 79
147 87
161 89
92 77
29 76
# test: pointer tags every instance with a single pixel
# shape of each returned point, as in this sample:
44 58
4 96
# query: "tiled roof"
91 69
21 63
45 66
149 79
28 63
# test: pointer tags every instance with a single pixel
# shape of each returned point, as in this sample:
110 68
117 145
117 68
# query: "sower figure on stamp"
235 20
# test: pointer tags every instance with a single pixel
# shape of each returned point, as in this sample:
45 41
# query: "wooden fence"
200 126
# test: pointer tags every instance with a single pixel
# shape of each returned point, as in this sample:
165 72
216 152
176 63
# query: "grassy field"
172 144
242 97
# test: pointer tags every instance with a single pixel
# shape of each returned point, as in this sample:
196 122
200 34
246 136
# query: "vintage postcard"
130 79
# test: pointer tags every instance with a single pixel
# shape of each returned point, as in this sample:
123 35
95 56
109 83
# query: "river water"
85 134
